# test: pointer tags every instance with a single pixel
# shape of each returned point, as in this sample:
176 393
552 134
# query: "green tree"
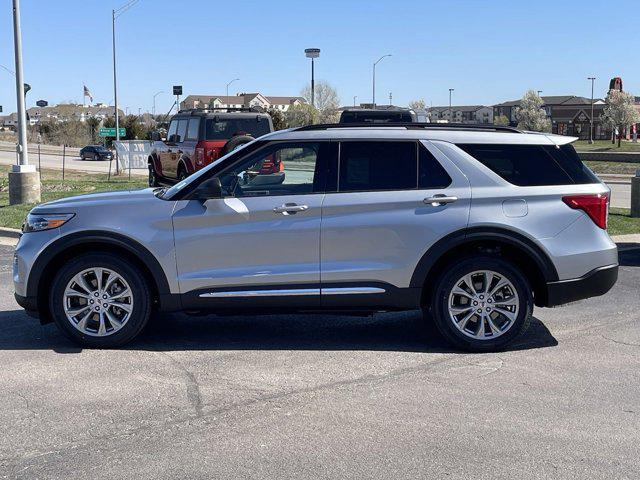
301 115
93 124
620 112
501 120
530 115
277 117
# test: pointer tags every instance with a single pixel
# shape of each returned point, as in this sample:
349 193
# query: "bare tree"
530 115
326 101
301 115
620 111
418 104
501 120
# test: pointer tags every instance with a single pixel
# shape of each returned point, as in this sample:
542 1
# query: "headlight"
38 223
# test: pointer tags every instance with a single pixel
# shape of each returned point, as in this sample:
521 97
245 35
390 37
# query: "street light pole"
373 96
354 100
593 79
154 101
312 53
450 109
24 181
234 80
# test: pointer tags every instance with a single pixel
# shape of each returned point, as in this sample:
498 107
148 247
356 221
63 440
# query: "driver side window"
280 169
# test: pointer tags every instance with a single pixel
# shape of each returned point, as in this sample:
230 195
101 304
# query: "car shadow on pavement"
629 254
402 332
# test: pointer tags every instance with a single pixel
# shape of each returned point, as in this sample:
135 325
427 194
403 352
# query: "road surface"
325 397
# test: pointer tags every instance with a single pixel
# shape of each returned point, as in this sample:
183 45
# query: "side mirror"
175 138
211 188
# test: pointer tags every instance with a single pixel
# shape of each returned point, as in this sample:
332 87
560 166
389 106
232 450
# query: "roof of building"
241 99
554 100
460 108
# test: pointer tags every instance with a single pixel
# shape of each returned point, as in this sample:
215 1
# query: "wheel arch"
43 271
517 248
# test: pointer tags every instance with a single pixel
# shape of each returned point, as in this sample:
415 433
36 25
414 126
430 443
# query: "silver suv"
471 225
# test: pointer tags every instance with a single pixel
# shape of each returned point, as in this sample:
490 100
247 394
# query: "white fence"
133 154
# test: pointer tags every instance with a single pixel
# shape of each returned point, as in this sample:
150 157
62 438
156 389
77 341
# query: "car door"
260 243
392 200
166 150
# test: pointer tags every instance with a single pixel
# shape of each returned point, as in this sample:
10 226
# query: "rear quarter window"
533 165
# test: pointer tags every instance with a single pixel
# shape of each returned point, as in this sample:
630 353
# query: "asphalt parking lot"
323 397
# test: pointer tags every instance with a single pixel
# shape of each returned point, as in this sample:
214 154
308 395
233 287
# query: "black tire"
153 176
141 308
182 174
448 280
235 142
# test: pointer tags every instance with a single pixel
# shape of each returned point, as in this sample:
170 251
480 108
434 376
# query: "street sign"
177 89
111 132
42 103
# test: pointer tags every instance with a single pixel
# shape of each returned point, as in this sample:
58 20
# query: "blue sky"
489 51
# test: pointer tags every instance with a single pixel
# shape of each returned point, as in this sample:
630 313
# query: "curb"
10 232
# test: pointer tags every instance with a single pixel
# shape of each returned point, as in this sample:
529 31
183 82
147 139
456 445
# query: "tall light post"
234 80
24 181
373 96
354 100
114 15
593 79
154 101
312 53
450 109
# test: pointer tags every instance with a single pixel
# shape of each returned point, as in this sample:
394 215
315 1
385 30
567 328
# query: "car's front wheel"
482 303
153 176
100 300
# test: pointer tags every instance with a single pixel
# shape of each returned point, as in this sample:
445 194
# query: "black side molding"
595 283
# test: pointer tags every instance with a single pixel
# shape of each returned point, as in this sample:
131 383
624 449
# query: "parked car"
473 226
386 115
197 137
95 152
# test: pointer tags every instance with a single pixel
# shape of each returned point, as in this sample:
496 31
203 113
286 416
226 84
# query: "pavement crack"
620 342
193 387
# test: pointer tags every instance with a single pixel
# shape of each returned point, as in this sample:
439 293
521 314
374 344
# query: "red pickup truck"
198 137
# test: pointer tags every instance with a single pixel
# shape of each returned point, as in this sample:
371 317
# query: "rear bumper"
595 283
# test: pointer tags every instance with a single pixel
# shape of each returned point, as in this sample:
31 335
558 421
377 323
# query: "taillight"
200 154
596 206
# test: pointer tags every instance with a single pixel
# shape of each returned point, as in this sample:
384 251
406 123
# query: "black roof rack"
220 109
412 126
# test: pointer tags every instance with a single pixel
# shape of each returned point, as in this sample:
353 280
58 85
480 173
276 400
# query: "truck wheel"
182 174
100 300
482 304
235 142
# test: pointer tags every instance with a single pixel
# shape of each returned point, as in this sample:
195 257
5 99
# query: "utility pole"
450 110
593 79
354 100
390 98
24 180
373 96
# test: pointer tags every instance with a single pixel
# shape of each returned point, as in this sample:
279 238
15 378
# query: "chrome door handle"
439 199
290 208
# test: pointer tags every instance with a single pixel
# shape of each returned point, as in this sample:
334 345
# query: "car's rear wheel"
100 300
482 303
153 176
182 174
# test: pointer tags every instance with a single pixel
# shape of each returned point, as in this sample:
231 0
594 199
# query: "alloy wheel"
483 304
98 301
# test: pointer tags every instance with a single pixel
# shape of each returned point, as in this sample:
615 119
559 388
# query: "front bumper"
595 283
30 304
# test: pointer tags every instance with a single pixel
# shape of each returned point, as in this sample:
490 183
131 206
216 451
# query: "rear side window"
376 166
192 131
532 165
432 174
225 129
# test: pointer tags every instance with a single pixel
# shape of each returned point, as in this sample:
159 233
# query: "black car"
95 152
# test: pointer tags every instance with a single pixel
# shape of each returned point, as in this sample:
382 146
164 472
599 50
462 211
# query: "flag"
87 93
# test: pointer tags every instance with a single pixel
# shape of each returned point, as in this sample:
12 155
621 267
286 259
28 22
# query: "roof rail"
218 109
412 126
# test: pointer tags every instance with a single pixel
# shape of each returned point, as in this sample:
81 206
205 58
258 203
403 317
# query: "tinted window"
223 129
531 165
373 116
182 130
281 169
375 166
432 174
192 131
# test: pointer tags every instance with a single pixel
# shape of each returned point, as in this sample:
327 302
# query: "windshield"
169 193
219 129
